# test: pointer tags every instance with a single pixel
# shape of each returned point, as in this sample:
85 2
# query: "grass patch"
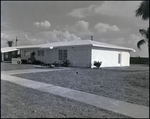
22 102
130 84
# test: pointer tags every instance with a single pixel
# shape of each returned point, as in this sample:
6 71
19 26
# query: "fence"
139 60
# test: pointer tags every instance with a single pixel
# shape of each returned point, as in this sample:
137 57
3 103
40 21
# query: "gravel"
22 102
129 84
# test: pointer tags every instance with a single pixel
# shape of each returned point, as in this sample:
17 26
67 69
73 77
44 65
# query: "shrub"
18 56
55 64
65 63
97 64
37 62
24 61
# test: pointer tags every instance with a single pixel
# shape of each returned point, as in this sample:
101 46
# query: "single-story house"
7 53
80 53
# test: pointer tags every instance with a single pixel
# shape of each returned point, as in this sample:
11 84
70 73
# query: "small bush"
55 64
65 63
37 62
97 64
24 61
18 56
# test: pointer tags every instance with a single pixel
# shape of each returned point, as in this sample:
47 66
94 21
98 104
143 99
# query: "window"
40 52
119 58
27 53
62 55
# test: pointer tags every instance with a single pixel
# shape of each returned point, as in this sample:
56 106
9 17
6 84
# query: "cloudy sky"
42 22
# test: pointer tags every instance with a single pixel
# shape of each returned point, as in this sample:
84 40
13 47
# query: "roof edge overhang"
52 47
116 48
9 50
28 48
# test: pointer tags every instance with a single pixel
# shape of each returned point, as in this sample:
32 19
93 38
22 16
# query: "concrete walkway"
31 71
128 109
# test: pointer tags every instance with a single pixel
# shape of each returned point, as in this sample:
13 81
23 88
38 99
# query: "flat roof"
84 42
15 48
68 43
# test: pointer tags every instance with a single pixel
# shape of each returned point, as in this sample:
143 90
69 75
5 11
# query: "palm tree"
10 43
144 33
143 10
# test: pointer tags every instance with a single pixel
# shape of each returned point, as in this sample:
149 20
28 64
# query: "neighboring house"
8 52
80 53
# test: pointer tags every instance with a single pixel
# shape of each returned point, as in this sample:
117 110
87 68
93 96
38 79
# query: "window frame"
40 52
62 54
119 58
27 53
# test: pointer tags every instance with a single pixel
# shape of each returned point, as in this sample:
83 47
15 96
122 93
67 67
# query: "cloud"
4 36
57 35
118 41
111 8
5 24
79 28
101 27
30 40
118 8
77 13
70 36
45 24
82 12
134 39
114 41
81 25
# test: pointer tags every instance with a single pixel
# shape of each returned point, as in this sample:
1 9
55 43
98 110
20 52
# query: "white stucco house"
80 53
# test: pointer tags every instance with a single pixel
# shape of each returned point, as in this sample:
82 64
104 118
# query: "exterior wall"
50 55
78 56
109 58
69 54
125 60
23 56
82 56
47 56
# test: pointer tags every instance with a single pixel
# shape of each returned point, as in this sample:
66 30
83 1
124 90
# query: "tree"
144 33
33 57
143 11
10 43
